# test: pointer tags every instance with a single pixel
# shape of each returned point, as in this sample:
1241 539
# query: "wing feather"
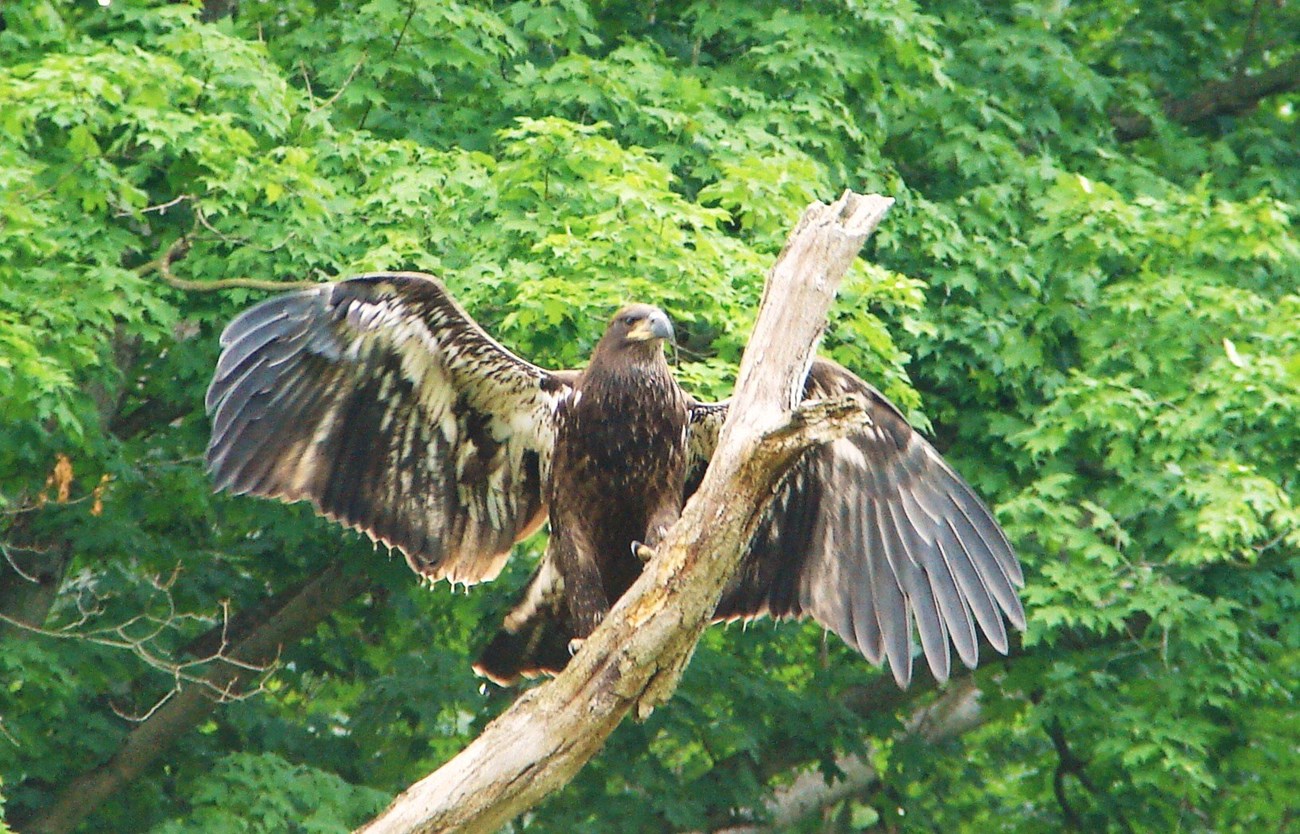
972 585
857 603
892 610
960 627
881 536
903 544
380 401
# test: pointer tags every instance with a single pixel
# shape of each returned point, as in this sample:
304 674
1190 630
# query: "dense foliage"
1102 334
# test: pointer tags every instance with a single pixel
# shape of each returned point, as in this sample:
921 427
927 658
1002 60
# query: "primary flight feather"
379 400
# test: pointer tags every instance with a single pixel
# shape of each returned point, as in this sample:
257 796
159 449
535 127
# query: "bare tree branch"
34 565
955 712
161 208
882 696
633 660
187 707
397 44
329 102
180 247
1250 41
29 582
139 635
1230 97
1070 764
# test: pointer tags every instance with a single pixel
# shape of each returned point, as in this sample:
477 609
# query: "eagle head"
638 324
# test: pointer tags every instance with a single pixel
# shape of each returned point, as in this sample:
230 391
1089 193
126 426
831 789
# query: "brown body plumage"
380 401
616 482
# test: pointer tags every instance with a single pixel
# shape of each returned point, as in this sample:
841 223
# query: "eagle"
380 401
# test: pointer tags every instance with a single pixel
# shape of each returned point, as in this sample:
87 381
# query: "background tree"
1087 291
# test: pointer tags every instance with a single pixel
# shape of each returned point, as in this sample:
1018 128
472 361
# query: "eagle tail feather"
539 646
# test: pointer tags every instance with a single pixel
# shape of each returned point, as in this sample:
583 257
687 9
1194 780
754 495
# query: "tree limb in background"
296 618
180 247
955 712
881 696
139 636
1070 764
634 659
1231 97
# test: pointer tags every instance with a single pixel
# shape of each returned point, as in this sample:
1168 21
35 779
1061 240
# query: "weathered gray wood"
634 659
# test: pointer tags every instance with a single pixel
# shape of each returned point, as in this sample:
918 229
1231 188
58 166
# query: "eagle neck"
628 372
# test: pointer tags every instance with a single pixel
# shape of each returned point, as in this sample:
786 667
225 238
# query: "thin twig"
1249 41
41 504
8 735
137 718
35 580
1069 763
311 96
202 218
351 75
161 208
179 671
203 221
410 13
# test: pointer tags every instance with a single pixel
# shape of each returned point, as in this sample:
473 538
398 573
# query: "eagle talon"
575 644
644 552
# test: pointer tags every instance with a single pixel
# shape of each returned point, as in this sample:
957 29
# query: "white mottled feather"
393 392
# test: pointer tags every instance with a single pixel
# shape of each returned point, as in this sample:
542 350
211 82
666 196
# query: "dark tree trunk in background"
1231 97
263 642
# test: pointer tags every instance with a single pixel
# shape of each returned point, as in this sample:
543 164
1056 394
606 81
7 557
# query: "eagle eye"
629 320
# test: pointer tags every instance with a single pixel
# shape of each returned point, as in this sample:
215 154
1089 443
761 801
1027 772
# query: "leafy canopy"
1101 334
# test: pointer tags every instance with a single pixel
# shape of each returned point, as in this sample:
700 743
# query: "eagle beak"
655 326
660 326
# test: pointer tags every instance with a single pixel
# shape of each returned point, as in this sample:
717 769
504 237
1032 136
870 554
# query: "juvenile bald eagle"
380 401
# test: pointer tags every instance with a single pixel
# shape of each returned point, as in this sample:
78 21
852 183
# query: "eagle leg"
584 591
661 519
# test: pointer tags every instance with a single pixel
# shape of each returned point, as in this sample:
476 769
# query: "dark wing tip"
917 546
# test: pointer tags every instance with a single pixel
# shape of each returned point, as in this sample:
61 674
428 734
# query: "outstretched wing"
380 400
872 533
